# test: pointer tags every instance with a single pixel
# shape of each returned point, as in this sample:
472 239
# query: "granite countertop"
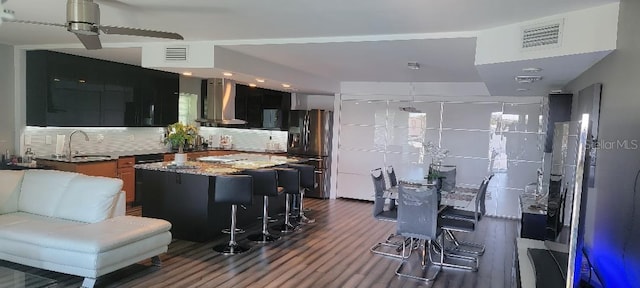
221 165
109 156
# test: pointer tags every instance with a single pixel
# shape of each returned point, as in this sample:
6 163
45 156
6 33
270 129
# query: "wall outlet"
47 139
27 139
100 138
131 137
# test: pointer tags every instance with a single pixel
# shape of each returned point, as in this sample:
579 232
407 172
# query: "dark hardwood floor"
333 252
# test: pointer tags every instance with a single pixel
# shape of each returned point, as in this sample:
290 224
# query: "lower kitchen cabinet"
127 174
98 168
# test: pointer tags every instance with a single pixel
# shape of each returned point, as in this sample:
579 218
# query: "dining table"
462 198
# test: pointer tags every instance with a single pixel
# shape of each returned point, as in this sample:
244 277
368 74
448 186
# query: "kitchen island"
183 195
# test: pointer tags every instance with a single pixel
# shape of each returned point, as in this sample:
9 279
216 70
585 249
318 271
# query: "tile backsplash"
42 140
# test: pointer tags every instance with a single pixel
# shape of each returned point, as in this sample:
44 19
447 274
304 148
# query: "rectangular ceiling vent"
175 53
547 35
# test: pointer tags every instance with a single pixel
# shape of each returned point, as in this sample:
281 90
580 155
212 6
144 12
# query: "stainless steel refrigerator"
310 134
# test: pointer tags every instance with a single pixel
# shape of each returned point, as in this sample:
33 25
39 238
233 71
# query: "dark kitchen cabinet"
66 90
263 108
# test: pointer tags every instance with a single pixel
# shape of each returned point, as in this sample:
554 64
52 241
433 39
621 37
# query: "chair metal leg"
232 247
264 236
398 246
460 246
287 227
445 256
303 218
424 263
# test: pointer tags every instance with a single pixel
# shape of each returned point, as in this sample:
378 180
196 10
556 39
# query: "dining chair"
389 247
393 184
480 206
418 221
456 220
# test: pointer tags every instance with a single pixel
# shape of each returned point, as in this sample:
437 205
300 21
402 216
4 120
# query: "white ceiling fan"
83 19
5 14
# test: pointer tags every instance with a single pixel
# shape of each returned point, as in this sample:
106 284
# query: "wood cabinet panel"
128 177
101 168
193 156
169 157
221 152
127 174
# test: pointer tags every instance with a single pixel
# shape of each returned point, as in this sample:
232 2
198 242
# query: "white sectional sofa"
74 224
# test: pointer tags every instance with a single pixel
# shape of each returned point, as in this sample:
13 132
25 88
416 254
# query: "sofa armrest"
121 205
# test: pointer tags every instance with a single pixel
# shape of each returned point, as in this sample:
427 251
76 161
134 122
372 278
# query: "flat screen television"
559 264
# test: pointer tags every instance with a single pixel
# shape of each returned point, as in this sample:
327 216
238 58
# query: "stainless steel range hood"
220 103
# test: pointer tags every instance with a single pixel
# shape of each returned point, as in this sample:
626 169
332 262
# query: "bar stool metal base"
228 231
270 219
287 228
263 238
230 249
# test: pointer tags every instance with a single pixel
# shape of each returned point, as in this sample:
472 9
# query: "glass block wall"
501 137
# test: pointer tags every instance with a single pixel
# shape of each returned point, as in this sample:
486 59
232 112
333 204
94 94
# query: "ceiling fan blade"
35 22
91 42
140 32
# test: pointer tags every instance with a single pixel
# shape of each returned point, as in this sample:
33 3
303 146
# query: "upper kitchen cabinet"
66 90
263 108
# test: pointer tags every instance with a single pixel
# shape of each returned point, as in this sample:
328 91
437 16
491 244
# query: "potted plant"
178 134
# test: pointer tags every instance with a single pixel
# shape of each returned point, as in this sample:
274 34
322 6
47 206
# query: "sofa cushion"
67 235
10 190
42 189
89 199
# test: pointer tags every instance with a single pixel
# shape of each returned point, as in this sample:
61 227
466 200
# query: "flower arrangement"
437 155
178 134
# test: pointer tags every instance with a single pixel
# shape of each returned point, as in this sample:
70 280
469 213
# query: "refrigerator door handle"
306 132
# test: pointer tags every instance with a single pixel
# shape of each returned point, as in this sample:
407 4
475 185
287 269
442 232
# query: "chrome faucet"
86 138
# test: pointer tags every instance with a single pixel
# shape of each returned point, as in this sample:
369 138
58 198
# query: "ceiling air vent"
542 35
175 53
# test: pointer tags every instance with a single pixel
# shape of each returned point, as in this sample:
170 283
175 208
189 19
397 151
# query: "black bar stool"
289 180
307 182
265 183
235 190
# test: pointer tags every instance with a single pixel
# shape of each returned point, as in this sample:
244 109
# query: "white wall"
588 30
7 99
614 208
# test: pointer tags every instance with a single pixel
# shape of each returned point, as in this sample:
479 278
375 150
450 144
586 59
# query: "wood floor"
333 252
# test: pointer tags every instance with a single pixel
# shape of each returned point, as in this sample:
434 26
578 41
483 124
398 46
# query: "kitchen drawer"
192 156
126 162
220 152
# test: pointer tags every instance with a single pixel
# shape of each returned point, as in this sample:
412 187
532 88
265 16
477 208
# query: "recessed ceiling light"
522 89
531 70
286 85
187 73
260 80
557 91
82 81
413 65
252 85
228 74
527 79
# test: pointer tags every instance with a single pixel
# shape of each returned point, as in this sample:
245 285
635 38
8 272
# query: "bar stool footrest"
230 249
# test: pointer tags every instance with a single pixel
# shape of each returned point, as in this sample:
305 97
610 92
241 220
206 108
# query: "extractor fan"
83 19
